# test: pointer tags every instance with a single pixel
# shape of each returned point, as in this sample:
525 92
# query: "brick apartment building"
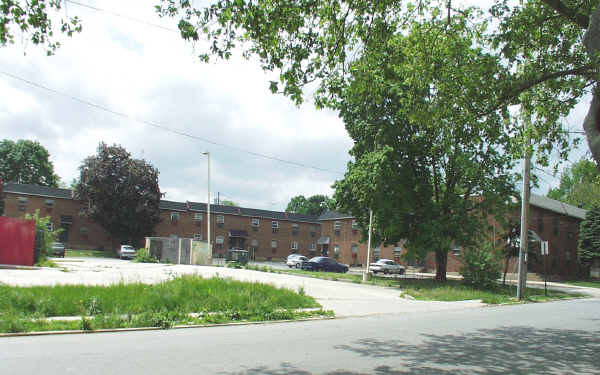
272 235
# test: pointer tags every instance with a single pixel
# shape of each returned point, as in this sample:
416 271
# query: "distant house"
275 235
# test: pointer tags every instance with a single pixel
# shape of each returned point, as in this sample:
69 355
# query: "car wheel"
289 266
385 272
298 265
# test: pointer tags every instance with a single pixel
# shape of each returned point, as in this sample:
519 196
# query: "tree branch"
577 18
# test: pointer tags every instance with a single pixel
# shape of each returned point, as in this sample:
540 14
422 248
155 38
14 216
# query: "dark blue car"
324 264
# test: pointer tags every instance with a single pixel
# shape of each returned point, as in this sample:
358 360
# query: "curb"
116 330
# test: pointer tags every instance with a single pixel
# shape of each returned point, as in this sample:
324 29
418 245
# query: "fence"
179 250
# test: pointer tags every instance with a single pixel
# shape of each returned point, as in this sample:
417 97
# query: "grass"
45 262
586 283
169 303
432 290
89 253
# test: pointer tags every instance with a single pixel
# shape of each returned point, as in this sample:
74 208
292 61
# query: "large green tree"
549 47
589 237
428 166
120 193
26 162
313 205
579 185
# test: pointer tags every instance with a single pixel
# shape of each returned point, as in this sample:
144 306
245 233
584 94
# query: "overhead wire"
165 128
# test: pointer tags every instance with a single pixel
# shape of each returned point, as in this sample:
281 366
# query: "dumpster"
237 255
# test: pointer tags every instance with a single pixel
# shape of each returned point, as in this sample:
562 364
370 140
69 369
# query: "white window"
337 225
255 223
336 249
275 224
354 225
219 240
198 216
274 244
376 252
313 229
456 250
49 203
295 228
254 243
22 203
50 226
174 216
198 237
294 245
220 219
312 247
354 249
397 251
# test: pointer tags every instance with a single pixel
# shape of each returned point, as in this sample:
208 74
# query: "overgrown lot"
169 303
432 290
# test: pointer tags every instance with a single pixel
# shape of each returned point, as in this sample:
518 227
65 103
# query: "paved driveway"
344 298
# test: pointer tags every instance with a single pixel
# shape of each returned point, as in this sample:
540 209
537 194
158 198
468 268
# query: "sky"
151 80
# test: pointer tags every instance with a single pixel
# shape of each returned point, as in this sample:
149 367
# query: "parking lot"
344 298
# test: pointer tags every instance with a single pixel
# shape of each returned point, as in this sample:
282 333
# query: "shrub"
480 267
143 256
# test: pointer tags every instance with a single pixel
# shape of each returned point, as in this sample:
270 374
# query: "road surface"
547 338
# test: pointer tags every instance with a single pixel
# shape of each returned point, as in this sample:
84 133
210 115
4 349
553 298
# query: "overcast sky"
152 75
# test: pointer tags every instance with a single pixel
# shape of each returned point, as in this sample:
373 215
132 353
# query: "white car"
386 266
296 260
126 251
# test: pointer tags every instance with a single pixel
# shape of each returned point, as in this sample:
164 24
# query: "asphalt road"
547 338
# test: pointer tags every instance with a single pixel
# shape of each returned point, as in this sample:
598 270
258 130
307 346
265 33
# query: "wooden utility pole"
522 281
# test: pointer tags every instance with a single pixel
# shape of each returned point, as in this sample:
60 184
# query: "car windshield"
58 245
127 247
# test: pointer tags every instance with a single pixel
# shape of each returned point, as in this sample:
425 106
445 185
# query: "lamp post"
367 274
208 201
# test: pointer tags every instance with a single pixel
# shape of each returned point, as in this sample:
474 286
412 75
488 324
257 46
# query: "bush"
143 256
480 267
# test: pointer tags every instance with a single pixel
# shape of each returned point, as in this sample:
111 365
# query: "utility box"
237 255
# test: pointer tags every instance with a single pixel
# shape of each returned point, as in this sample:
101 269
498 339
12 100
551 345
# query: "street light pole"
208 202
367 274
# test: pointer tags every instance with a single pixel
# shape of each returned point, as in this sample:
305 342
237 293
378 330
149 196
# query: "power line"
122 16
167 129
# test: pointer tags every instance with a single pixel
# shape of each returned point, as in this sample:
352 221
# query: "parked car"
324 264
386 266
58 249
296 260
126 252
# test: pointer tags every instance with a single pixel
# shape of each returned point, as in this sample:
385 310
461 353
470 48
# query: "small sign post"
544 251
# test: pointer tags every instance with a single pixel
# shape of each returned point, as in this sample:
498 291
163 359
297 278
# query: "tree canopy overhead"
122 193
540 42
26 162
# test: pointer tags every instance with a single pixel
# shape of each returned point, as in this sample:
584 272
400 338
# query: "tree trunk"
505 270
441 263
591 124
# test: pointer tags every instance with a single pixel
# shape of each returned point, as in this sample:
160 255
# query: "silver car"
126 252
295 260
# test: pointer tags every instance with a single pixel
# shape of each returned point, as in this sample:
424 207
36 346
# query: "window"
456 250
540 223
294 245
313 230
198 216
66 219
294 229
571 231
354 249
275 226
336 251
220 221
312 247
254 243
84 230
22 203
376 253
397 251
219 241
354 226
198 237
555 225
174 217
49 203
255 223
567 255
274 244
337 226
50 226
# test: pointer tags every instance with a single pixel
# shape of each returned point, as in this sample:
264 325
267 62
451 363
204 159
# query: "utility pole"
367 274
522 281
208 201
